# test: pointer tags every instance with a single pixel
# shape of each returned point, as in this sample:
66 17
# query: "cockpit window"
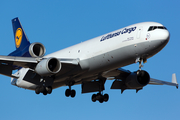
150 28
156 27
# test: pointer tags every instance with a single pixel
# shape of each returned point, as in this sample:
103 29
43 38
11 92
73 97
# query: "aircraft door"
141 46
138 46
139 32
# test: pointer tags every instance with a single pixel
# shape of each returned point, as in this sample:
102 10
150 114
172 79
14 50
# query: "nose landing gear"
140 60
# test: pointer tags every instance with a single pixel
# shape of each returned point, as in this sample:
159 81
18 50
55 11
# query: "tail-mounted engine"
48 67
37 50
137 79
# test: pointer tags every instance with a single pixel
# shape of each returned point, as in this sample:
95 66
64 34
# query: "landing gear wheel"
73 93
68 92
45 92
49 90
106 97
93 98
42 89
101 98
37 90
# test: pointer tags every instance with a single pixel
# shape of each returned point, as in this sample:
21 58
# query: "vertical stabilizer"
21 40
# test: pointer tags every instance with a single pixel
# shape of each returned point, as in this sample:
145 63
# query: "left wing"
125 79
160 82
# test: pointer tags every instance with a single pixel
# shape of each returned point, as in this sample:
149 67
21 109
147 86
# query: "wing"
125 79
160 82
9 63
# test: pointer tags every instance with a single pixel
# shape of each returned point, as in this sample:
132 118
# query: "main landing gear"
45 86
70 92
44 90
99 96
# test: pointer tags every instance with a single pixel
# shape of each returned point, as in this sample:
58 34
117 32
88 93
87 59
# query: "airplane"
89 63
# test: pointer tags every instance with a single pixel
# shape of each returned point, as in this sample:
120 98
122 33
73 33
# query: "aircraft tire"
67 92
93 98
45 92
42 89
37 90
106 97
73 93
101 100
49 90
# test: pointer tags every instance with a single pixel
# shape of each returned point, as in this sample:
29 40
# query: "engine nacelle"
37 50
137 79
48 67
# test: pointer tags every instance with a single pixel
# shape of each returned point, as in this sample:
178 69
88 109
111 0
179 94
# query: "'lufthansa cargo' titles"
125 30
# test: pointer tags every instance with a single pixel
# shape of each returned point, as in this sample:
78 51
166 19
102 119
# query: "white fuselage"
111 51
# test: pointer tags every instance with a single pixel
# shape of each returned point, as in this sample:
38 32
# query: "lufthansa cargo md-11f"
89 63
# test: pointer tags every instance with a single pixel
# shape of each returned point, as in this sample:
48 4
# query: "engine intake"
137 79
48 67
37 50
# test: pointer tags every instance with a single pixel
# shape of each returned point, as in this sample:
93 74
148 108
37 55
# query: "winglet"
174 80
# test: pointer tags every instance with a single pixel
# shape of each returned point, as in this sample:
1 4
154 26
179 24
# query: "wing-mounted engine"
37 50
48 67
137 79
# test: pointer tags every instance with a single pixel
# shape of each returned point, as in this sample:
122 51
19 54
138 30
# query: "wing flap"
6 70
116 74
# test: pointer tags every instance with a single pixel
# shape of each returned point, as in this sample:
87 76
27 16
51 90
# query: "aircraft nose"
165 35
159 40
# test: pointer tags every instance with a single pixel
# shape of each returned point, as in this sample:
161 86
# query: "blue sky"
59 24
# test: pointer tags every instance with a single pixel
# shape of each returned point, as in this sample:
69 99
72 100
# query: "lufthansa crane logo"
18 37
